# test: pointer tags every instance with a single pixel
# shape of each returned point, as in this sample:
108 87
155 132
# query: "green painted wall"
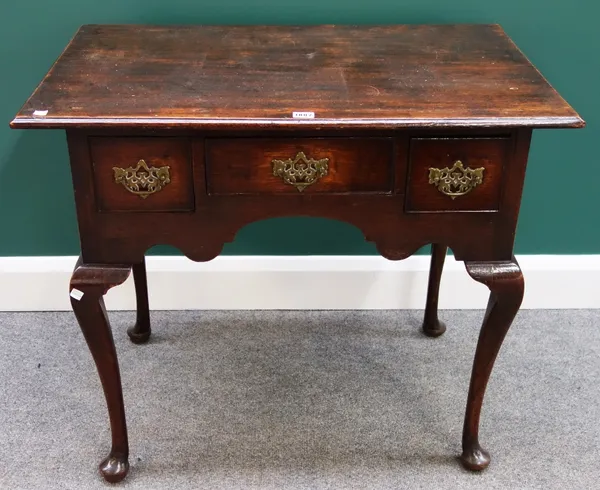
561 201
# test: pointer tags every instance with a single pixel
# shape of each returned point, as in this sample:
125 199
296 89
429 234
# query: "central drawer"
299 165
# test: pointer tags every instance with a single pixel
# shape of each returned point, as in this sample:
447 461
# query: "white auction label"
76 294
40 113
303 115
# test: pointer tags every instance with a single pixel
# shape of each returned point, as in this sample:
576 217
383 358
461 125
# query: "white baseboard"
313 282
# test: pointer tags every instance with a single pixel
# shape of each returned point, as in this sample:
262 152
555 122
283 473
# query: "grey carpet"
302 400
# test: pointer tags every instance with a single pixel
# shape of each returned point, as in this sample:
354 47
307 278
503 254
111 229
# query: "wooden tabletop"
257 76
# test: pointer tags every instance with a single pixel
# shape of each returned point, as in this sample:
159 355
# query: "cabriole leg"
140 332
432 326
505 281
89 284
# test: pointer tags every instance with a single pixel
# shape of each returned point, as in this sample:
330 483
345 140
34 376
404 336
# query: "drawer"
142 174
456 174
299 165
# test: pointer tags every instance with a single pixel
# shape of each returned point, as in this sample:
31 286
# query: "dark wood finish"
256 76
215 104
432 326
140 332
107 153
505 281
94 282
490 154
108 237
245 165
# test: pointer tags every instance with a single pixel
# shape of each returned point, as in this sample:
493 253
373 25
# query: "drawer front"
299 165
142 174
456 174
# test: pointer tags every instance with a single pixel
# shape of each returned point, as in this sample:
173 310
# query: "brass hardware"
301 171
456 181
142 180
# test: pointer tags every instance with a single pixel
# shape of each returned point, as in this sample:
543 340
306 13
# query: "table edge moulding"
182 135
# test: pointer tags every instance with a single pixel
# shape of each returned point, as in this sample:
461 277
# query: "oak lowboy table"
182 135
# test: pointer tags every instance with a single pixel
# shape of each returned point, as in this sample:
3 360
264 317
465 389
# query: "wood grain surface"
238 77
174 153
491 154
245 165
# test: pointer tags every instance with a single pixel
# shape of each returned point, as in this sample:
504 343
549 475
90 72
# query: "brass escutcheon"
456 181
143 180
301 171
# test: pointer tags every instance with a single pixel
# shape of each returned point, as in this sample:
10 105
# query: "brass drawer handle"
456 181
143 180
301 171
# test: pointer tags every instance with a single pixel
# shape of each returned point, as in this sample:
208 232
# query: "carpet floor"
302 400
